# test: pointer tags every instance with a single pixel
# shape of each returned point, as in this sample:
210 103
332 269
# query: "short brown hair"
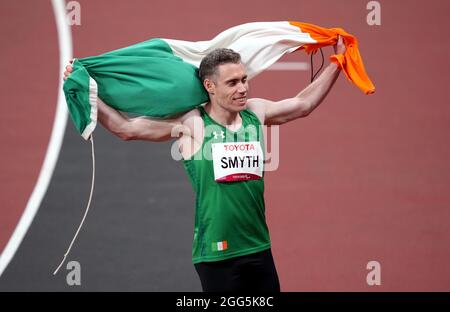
210 63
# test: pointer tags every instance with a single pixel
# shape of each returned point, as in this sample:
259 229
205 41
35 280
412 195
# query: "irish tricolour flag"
220 246
158 77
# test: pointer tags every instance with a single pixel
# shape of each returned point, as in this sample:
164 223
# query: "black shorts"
255 272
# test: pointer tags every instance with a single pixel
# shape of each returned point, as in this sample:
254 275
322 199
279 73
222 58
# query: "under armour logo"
222 134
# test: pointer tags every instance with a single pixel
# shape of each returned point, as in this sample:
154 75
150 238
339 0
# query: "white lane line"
289 66
54 146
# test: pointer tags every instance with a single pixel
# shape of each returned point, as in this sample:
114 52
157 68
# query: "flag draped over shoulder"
159 77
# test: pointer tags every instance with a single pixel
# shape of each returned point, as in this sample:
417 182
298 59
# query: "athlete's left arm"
277 113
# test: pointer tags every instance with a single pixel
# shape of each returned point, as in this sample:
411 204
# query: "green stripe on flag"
145 79
77 92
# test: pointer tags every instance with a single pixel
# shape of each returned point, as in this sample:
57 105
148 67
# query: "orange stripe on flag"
350 62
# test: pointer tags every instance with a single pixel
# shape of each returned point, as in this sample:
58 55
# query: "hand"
339 47
69 70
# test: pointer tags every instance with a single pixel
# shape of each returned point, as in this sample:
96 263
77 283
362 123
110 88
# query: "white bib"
237 161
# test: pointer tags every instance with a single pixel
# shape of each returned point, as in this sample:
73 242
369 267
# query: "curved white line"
54 146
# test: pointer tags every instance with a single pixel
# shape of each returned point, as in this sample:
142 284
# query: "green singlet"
229 216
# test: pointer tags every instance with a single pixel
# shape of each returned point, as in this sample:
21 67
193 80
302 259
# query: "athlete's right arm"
139 128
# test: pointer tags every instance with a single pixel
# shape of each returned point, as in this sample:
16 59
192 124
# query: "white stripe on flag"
93 91
219 246
289 66
260 44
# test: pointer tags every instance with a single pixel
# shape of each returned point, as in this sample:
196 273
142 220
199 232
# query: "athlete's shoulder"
193 122
192 139
258 107
192 113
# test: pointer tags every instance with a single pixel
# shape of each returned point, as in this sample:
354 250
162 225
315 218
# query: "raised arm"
277 113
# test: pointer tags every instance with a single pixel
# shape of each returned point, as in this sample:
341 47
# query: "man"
224 161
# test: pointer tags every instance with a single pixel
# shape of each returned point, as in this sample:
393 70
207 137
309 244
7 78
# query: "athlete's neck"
231 120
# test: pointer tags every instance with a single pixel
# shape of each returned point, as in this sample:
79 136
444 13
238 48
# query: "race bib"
237 161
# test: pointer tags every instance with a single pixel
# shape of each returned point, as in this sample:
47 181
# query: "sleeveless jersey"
228 180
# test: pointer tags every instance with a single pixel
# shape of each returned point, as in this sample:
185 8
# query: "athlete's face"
229 87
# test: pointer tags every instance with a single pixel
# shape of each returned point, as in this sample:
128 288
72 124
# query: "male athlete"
222 149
